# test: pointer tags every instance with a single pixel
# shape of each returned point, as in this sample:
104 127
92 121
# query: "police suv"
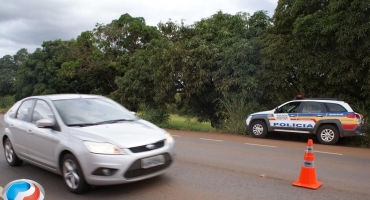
328 118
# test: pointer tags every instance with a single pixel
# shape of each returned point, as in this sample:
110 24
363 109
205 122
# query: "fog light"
104 172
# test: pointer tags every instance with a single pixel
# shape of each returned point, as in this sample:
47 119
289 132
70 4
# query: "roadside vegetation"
213 72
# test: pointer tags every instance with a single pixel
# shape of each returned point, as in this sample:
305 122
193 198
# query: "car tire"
10 155
258 129
73 175
328 134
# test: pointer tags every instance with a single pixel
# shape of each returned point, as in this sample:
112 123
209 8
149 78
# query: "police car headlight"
248 119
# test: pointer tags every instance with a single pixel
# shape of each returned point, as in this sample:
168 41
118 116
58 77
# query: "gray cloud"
26 24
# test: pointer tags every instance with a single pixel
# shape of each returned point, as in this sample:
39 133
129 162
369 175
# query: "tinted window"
333 107
312 107
291 107
25 110
42 111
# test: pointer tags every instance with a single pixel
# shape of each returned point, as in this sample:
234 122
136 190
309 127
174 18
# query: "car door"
19 127
285 116
42 142
310 113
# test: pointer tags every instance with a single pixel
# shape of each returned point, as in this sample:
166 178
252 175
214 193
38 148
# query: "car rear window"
333 107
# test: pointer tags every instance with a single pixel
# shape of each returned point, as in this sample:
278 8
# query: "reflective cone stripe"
309 149
309 164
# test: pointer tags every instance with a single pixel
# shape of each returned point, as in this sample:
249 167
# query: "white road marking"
260 145
211 139
328 153
1 191
175 135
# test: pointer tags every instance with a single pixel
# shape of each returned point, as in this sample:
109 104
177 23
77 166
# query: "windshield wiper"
113 121
82 124
102 122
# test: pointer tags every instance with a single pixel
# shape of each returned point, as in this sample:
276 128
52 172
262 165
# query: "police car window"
312 107
291 107
41 111
25 110
333 107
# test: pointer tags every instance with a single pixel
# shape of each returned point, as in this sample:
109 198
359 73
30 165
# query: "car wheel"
258 129
72 174
10 155
328 134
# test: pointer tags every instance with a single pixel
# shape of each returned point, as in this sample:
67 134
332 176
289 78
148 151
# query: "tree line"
213 68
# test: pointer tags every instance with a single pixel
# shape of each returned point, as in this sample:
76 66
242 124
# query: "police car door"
285 117
309 115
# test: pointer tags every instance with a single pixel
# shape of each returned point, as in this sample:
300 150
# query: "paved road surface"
220 166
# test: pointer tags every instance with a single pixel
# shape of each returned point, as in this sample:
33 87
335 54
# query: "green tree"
319 48
220 61
87 68
39 74
8 70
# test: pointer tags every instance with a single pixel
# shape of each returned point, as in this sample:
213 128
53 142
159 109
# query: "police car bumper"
358 131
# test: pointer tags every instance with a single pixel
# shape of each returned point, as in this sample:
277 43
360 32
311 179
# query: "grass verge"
186 123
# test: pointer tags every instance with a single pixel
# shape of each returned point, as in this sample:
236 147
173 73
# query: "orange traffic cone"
307 177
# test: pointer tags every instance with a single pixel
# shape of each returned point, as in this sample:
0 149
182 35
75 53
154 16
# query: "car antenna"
75 90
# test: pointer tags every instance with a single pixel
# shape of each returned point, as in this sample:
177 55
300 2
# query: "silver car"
88 139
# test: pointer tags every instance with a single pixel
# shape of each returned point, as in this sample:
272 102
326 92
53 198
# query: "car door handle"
11 125
30 132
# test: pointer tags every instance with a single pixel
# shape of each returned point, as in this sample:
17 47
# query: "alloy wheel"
327 135
9 153
258 129
70 173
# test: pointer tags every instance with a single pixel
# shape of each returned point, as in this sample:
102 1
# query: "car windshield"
91 111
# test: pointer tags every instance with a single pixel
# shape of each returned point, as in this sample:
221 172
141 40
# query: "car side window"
13 110
333 107
42 111
25 110
312 107
291 107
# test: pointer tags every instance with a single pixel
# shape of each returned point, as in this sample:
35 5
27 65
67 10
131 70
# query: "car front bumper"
126 168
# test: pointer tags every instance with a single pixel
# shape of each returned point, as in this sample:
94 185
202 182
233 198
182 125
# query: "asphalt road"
220 166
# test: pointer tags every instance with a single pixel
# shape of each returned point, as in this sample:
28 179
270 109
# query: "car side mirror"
45 123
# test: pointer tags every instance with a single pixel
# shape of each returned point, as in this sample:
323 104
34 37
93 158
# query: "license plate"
152 161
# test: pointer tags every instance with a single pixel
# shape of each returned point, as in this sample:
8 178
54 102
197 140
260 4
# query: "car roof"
66 96
320 100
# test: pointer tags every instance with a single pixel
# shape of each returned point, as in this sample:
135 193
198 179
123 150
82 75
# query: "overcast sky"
27 23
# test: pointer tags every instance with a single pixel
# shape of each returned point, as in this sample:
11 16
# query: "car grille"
135 169
144 148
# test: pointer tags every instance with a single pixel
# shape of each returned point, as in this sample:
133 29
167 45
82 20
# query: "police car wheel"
258 129
328 134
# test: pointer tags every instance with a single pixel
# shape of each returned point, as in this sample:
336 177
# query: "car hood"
122 134
264 112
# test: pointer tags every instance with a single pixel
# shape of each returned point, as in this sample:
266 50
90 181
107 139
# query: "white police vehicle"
328 118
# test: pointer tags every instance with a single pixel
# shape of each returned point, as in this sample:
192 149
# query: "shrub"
234 110
6 102
154 115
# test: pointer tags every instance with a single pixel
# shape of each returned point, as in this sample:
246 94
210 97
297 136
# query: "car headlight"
169 138
102 148
248 120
